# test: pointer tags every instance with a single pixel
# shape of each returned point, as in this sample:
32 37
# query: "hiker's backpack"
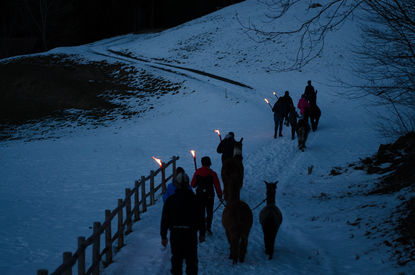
204 185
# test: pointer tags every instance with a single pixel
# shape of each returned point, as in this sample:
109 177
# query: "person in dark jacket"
288 103
182 215
310 93
225 147
205 180
279 114
171 188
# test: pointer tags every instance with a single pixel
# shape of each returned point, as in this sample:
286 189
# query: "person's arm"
194 182
216 183
220 147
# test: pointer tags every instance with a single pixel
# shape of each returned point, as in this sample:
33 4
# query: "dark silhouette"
237 216
270 218
205 180
225 147
182 215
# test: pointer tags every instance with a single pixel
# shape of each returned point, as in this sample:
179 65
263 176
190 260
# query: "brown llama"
270 218
237 216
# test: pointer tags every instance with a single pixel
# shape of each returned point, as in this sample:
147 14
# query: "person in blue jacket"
181 176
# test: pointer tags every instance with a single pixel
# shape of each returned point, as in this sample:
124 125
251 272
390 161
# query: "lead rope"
221 203
259 204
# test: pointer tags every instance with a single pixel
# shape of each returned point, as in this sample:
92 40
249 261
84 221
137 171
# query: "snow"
52 190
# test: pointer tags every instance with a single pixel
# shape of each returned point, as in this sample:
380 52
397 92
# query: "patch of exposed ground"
42 93
396 164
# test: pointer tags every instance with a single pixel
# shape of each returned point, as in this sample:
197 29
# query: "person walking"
304 106
182 216
204 179
171 188
279 110
310 93
225 147
288 103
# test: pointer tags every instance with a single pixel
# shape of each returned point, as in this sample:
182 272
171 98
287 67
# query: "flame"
217 131
274 93
158 161
266 100
193 153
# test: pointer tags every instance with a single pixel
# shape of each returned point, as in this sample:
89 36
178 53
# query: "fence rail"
137 196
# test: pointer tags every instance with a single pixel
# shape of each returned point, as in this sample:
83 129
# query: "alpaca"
270 218
302 133
237 216
315 114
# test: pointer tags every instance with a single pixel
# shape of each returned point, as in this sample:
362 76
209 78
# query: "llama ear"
266 182
241 139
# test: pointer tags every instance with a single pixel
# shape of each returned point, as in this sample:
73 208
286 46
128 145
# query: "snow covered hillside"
52 190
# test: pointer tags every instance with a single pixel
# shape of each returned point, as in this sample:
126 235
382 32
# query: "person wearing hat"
182 216
181 178
225 147
205 180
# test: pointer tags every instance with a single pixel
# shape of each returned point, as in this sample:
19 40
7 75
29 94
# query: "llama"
237 216
270 218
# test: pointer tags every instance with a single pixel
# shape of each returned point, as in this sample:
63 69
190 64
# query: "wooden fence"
138 197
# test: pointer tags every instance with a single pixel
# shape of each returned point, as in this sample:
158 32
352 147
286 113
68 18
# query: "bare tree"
39 12
386 59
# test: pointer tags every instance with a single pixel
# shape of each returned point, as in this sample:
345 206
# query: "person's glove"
164 242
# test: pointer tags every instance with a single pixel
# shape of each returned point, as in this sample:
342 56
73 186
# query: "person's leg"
280 124
176 244
209 214
191 255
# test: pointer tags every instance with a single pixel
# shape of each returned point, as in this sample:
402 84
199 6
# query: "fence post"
120 225
136 204
42 272
108 237
96 248
152 199
163 178
174 167
67 256
81 257
143 194
128 215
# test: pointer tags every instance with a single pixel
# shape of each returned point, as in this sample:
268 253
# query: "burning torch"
163 176
194 157
218 132
266 100
275 94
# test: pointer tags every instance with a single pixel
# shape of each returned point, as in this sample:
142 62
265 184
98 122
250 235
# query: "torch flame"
193 153
217 131
158 161
266 100
274 93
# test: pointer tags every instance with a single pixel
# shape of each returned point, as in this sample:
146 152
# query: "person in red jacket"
304 106
205 180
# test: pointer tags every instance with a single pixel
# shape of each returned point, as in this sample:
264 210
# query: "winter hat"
286 93
181 179
206 161
230 135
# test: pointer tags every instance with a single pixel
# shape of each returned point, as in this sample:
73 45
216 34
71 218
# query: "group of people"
284 110
185 213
